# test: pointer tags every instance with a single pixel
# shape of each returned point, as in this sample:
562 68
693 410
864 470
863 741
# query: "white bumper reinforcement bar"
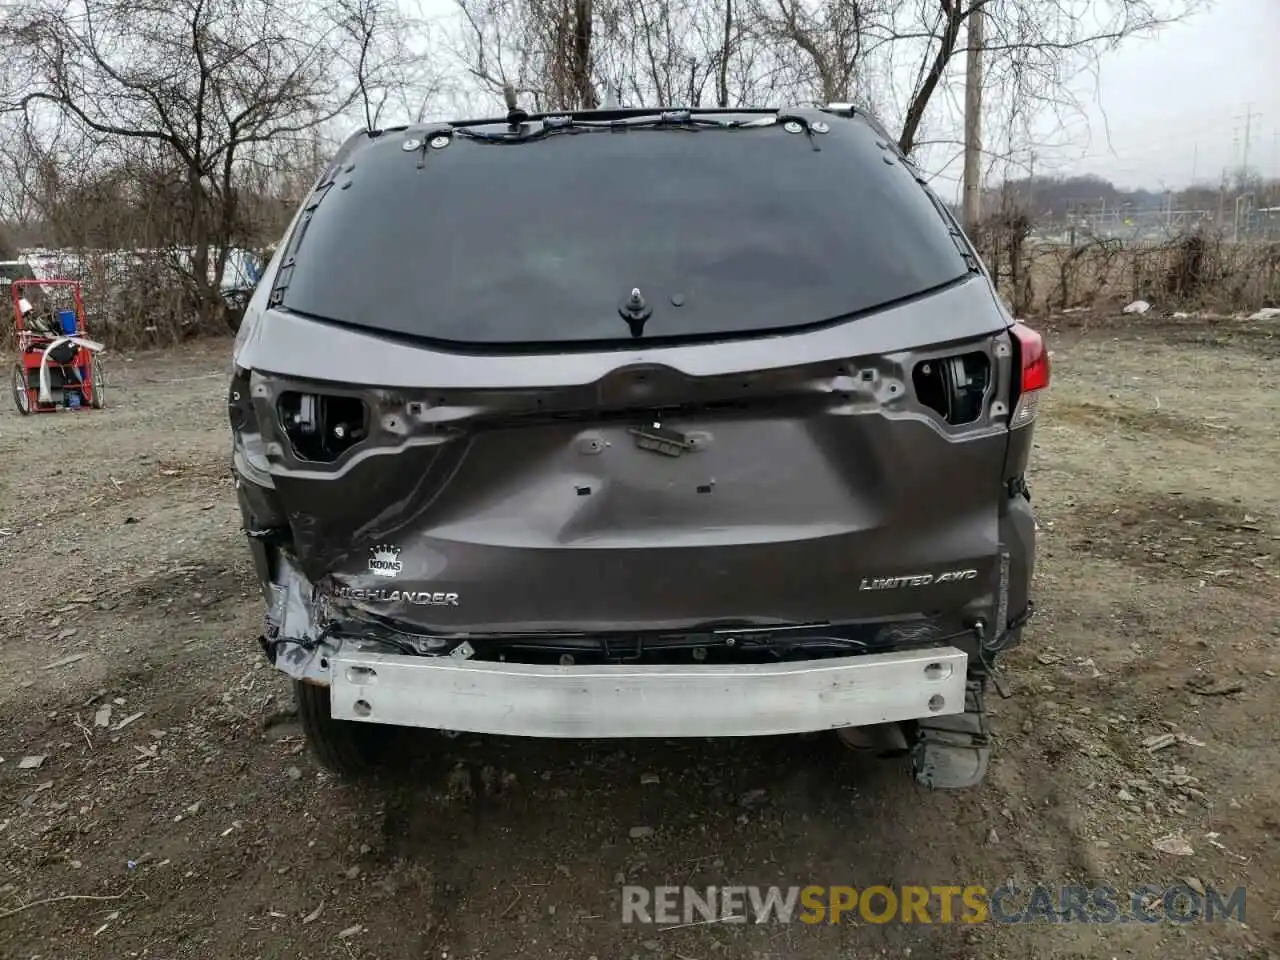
621 700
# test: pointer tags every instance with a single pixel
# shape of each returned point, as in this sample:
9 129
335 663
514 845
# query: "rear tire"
345 748
97 384
21 398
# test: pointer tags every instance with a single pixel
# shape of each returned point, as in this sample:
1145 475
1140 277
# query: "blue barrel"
67 320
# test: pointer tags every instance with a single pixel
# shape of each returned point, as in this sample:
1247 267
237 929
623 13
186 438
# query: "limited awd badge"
916 580
660 439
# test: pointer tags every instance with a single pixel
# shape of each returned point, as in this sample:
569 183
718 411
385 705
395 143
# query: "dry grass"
1192 271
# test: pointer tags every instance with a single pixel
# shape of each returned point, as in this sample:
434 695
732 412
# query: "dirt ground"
189 823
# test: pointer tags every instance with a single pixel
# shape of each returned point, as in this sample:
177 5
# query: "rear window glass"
723 232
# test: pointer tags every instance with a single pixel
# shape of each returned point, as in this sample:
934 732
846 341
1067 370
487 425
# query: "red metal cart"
58 366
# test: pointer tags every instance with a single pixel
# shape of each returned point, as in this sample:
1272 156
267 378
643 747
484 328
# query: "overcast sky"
1170 107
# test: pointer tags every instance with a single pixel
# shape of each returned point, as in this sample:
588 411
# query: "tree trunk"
955 13
722 81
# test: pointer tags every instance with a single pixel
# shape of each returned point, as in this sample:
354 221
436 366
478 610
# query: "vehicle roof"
806 112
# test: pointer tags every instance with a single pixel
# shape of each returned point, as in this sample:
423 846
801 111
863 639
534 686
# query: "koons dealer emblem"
384 561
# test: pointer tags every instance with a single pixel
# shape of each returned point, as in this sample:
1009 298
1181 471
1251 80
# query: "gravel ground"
176 814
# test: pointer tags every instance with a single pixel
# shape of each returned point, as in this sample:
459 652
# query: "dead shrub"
1196 270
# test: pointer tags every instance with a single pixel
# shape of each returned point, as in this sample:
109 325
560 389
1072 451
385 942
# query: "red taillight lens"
1033 359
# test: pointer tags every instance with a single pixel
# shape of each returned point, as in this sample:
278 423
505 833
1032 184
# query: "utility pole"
1222 201
1248 126
973 120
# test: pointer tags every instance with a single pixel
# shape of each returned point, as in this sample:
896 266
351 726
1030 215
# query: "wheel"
97 384
21 397
350 750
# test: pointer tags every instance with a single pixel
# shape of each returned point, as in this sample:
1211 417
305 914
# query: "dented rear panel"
651 490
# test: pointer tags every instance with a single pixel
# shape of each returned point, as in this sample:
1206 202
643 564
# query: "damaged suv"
634 423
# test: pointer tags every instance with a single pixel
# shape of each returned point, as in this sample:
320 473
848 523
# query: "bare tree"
565 54
197 92
208 104
660 52
541 48
894 56
1032 48
387 70
830 36
20 164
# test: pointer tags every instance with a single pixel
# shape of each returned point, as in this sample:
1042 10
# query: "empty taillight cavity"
953 387
321 428
1032 360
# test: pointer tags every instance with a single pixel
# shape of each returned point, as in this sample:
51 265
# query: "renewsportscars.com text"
970 904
